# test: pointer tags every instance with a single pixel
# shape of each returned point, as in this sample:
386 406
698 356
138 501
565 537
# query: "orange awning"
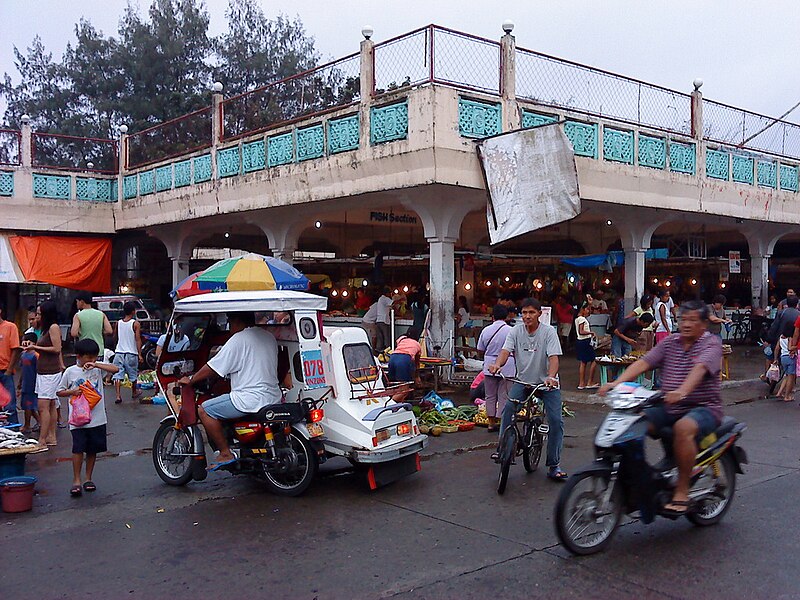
78 263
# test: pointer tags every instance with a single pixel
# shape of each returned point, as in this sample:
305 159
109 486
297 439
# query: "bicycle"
530 442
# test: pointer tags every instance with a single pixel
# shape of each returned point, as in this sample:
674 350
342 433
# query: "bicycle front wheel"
508 448
534 442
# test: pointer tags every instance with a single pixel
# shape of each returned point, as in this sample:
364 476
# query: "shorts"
705 419
789 364
564 329
127 364
585 351
221 408
47 386
29 401
91 440
401 367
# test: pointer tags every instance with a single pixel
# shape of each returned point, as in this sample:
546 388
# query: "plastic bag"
80 413
438 402
90 393
5 397
774 372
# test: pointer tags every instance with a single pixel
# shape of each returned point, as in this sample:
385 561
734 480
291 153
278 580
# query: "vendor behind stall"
404 360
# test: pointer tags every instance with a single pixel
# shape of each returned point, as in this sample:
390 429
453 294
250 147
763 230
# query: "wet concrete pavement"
442 533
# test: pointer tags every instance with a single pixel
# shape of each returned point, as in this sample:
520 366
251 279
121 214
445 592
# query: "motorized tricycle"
335 401
620 481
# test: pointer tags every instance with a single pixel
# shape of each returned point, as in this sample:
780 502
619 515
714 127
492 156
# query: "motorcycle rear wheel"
298 480
174 470
508 448
577 510
710 510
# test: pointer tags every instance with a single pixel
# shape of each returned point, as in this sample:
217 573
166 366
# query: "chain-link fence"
741 128
466 61
188 133
321 89
72 153
403 61
10 142
564 84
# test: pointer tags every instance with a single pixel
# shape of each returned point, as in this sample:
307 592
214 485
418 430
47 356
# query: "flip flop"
39 449
219 465
89 486
674 512
75 491
557 474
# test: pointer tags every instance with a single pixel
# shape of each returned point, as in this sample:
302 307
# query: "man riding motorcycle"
250 358
689 363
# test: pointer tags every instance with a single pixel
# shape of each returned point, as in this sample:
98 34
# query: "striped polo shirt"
675 362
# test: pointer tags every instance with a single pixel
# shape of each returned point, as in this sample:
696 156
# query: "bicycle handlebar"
536 387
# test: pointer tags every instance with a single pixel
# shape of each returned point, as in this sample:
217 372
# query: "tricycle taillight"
315 416
404 429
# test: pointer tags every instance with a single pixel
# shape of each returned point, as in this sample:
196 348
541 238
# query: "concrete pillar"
441 219
179 242
512 118
697 110
25 154
635 231
180 268
367 87
759 280
282 231
217 129
634 277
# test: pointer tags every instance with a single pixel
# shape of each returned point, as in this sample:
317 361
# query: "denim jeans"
619 347
552 406
8 382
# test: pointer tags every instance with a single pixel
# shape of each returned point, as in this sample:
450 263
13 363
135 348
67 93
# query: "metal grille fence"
403 61
465 61
734 126
319 90
556 82
10 141
72 153
185 134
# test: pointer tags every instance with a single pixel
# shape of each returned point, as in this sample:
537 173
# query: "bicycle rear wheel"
508 448
534 442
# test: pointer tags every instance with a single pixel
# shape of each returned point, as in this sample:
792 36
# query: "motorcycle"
149 345
279 445
619 481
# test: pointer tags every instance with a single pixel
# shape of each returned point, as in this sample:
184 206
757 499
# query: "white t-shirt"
578 322
463 316
784 341
371 315
73 377
175 345
667 317
250 357
384 304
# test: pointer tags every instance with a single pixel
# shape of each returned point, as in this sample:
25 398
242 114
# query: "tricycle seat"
293 412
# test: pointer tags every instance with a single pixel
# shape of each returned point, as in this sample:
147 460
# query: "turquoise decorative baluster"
583 137
534 119
254 156
479 119
652 152
51 186
6 183
164 178
147 182
388 123
618 145
183 173
310 142
228 162
94 190
789 178
343 134
130 186
742 169
201 166
767 173
280 149
682 157
717 164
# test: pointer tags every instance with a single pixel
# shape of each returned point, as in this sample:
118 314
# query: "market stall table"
606 363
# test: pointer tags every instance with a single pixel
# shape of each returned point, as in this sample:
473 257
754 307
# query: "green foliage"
157 68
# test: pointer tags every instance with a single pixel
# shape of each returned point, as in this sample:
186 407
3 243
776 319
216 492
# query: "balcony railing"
319 90
183 135
73 153
741 128
10 142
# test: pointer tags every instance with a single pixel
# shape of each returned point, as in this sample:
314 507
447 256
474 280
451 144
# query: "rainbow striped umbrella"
250 272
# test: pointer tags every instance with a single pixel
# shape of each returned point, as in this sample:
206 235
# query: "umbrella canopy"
187 287
250 272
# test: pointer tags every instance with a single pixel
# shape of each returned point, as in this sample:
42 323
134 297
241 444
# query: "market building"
364 171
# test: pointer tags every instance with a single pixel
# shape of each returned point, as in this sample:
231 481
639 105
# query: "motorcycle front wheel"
296 470
712 507
583 524
170 447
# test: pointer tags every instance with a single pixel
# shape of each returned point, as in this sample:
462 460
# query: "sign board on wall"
734 261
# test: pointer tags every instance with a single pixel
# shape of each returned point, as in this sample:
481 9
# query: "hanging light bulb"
405 289
345 293
655 280
334 293
317 224
723 285
667 283
488 283
607 281
468 286
396 291
694 281
507 279
364 283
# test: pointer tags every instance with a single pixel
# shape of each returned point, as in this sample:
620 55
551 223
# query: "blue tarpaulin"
612 259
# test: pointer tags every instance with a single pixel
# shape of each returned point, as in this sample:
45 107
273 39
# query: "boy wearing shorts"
90 439
128 353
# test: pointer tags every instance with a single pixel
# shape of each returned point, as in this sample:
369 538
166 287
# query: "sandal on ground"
495 456
557 474
493 428
62 425
118 401
75 491
676 508
224 463
581 387
40 448
594 386
89 486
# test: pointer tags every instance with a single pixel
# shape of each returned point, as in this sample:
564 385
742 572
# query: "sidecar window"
359 363
188 332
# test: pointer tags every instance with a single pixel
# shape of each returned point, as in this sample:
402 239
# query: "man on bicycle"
689 363
536 350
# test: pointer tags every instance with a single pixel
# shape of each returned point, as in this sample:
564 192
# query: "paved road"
443 533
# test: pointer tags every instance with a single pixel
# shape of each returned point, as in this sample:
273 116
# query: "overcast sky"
746 52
